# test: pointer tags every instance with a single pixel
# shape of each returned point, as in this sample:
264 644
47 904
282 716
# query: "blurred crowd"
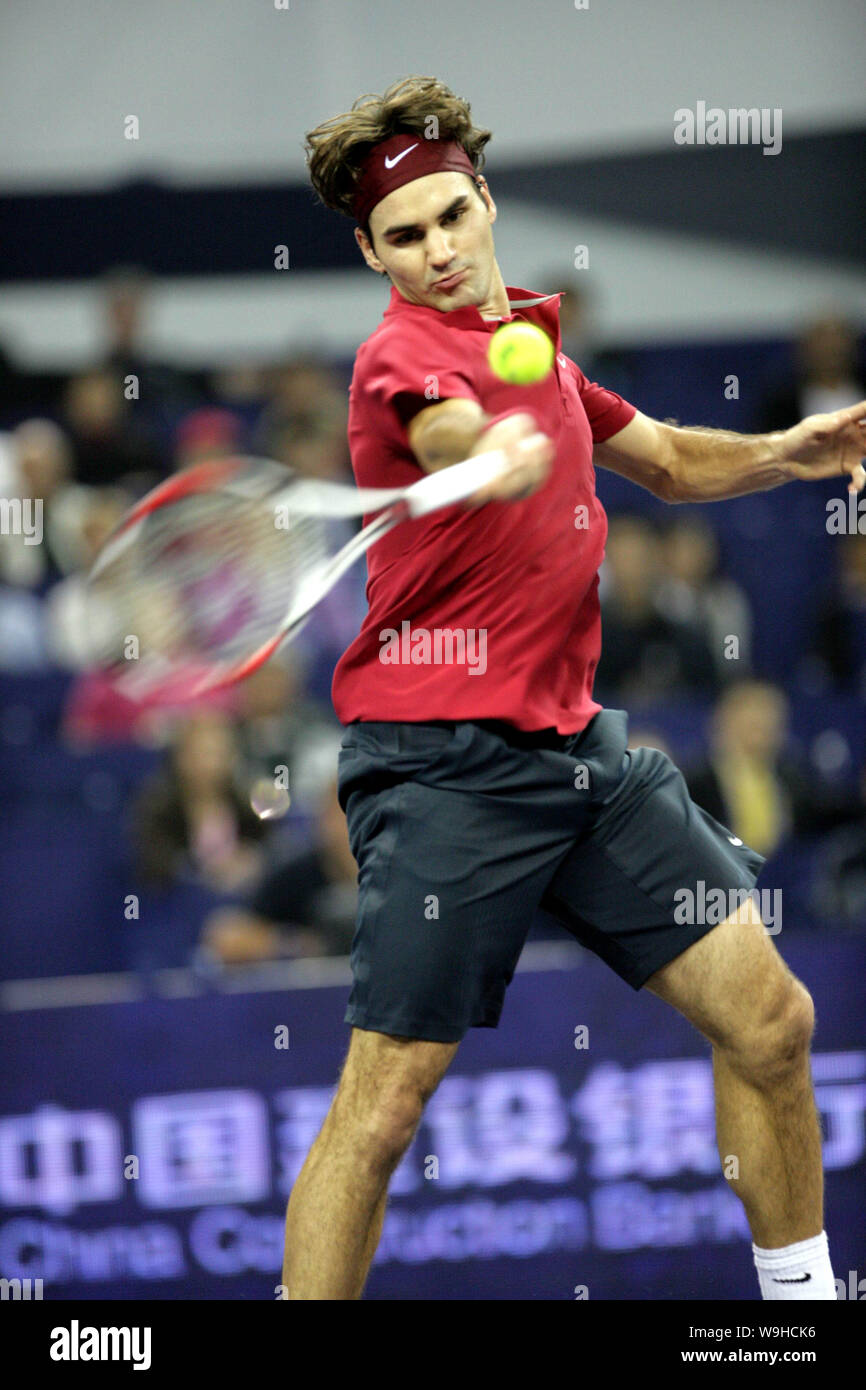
105 436
219 809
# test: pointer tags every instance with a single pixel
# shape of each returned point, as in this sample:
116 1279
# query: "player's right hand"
529 455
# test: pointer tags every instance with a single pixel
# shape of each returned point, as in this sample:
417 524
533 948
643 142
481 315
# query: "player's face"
430 230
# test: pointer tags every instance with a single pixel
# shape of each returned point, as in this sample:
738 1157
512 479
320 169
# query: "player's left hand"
822 446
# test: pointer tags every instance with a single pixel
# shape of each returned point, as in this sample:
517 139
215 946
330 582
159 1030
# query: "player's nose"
440 253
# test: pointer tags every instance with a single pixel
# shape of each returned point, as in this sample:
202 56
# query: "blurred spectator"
840 881
300 385
647 652
242 386
304 906
280 726
207 433
839 643
581 336
827 376
125 307
69 618
23 639
305 422
34 472
158 392
18 389
693 591
576 322
107 446
750 783
192 818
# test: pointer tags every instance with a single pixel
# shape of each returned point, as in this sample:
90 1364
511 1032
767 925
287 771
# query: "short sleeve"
409 376
607 412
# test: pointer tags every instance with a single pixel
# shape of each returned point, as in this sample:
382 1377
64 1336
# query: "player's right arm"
458 428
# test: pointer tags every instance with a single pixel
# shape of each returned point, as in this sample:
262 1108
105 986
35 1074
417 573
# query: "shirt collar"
541 309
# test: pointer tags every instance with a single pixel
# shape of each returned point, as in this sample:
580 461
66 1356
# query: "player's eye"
405 237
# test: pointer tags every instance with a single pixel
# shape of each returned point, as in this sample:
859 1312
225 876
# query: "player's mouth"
450 282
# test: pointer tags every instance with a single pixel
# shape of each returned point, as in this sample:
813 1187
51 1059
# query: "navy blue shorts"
463 830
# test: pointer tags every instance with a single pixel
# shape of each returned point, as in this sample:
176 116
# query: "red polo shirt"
477 613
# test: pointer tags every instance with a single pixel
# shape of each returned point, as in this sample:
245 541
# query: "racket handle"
453 484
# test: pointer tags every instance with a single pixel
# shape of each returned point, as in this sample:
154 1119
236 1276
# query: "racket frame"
263 480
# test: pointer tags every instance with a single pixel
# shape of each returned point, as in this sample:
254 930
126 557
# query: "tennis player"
479 777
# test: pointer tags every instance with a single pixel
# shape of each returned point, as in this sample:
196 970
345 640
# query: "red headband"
390 164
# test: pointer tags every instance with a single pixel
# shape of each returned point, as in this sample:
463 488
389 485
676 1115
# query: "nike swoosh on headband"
389 163
803 1279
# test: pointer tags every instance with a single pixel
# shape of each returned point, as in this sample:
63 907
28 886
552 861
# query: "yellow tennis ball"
520 353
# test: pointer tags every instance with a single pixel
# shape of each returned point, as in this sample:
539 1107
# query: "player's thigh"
736 989
627 890
388 1079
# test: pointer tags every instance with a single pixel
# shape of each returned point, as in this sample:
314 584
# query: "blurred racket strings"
200 585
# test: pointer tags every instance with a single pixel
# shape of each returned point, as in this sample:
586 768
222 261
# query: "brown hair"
337 148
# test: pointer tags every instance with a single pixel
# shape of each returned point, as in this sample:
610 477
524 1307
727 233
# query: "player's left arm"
685 464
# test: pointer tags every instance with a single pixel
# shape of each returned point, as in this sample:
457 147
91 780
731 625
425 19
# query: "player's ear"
368 253
484 192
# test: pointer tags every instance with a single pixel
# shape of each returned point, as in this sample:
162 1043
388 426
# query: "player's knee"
394 1120
383 1122
380 1107
780 1035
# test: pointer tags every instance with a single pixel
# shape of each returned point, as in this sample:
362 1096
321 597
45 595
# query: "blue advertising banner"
147 1149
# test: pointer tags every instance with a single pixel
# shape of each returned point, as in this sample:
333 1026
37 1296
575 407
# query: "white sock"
800 1271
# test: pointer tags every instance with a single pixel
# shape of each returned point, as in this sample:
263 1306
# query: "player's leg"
454 838
337 1206
735 988
628 891
455 833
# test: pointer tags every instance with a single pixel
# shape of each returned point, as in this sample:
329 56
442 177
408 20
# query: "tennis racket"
218 566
